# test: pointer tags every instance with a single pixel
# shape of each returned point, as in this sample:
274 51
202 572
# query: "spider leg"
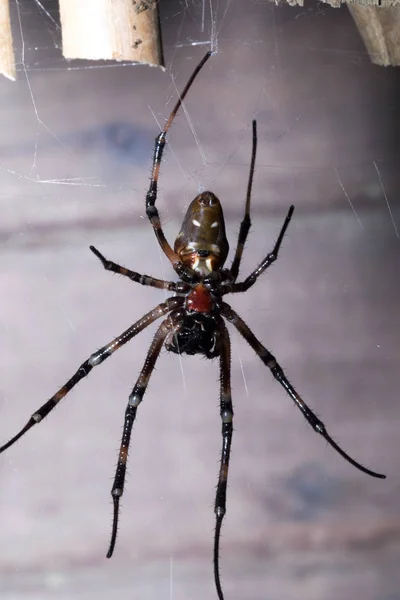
135 399
246 222
95 359
109 265
243 286
226 412
270 361
151 196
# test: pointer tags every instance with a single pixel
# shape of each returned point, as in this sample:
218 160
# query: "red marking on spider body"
199 299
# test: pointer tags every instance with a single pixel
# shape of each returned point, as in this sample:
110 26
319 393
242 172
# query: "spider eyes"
195 222
213 225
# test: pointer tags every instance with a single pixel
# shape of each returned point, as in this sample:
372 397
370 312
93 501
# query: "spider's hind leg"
151 196
243 286
109 265
246 222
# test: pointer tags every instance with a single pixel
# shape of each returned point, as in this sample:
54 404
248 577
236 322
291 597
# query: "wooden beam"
379 27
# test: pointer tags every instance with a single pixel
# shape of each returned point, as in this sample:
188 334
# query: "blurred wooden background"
75 154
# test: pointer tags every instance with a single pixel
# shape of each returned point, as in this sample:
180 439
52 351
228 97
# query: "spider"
195 320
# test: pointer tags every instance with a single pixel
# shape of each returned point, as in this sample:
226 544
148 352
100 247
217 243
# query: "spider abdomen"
201 243
197 334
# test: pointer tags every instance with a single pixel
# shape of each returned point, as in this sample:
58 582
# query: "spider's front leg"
135 399
226 412
93 361
270 361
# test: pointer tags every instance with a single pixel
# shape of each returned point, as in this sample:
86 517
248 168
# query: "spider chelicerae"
195 320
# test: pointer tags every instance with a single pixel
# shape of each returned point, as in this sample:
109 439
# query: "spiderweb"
75 153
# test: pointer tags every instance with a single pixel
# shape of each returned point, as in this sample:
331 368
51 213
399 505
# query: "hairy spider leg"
270 361
109 265
243 286
226 412
246 222
96 359
135 399
151 195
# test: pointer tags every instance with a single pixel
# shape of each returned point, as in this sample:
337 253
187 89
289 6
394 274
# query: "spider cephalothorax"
194 322
197 334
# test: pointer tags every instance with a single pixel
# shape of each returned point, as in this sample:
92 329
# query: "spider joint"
150 208
319 427
135 399
95 359
227 416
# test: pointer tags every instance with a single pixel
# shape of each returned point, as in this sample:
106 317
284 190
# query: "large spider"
195 322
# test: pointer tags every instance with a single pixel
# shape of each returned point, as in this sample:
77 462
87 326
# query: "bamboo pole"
119 30
7 58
